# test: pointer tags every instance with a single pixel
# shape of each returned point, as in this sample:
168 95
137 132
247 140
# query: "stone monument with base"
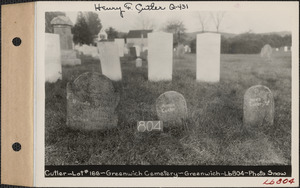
62 26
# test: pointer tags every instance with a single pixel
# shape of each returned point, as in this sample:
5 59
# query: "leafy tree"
178 29
81 32
111 33
87 26
48 18
93 22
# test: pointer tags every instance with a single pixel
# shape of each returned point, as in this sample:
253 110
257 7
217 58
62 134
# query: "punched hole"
17 41
16 146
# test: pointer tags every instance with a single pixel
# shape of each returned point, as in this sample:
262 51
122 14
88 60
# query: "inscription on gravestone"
171 106
258 107
91 102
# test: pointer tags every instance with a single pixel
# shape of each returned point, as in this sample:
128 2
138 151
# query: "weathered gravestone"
132 52
91 102
258 107
138 62
266 52
121 45
180 50
110 60
62 26
160 56
285 48
208 57
52 58
171 107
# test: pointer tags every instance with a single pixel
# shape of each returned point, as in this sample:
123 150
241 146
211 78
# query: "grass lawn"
212 135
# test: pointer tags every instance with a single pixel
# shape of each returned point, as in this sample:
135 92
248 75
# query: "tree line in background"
88 25
249 43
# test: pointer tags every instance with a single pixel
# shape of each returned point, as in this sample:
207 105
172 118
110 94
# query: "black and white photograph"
144 84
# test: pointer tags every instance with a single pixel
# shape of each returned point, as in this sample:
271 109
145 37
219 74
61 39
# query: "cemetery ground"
213 134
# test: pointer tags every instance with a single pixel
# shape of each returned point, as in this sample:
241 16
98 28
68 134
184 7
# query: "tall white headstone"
208 57
160 56
53 70
110 60
121 45
137 50
285 48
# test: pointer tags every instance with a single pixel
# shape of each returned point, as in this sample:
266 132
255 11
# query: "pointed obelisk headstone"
171 106
208 57
53 70
258 107
110 60
91 102
160 56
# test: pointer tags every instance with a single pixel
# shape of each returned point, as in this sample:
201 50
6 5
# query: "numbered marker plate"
148 126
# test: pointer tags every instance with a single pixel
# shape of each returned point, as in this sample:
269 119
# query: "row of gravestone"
92 100
160 58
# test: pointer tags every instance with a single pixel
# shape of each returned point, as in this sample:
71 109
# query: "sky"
233 21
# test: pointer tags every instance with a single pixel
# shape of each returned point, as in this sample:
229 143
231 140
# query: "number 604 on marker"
148 126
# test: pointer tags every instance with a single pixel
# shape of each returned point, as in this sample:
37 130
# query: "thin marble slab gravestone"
160 56
258 107
121 46
171 107
110 60
208 57
266 52
91 102
53 70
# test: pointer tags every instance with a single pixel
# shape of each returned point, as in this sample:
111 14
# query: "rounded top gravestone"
91 102
171 106
266 51
258 107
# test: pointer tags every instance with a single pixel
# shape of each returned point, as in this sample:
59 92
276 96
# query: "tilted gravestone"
208 57
258 107
160 56
171 106
52 58
91 103
110 60
266 52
